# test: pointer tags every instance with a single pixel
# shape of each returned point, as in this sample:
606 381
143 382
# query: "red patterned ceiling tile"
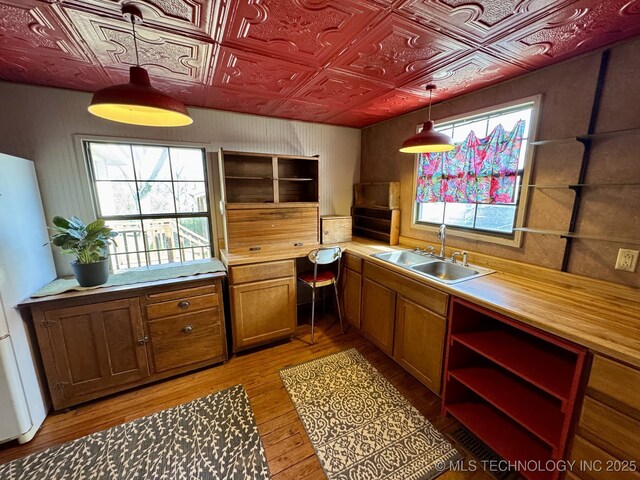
394 103
589 24
467 74
225 99
480 20
111 42
339 91
54 72
258 74
354 119
32 26
396 49
297 110
310 32
194 16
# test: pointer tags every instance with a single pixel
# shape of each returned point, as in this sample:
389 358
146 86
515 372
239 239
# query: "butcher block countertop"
602 316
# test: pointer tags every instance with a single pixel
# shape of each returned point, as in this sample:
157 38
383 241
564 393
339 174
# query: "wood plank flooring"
289 452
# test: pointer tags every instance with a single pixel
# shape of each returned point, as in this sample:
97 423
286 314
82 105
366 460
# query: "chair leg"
335 289
313 310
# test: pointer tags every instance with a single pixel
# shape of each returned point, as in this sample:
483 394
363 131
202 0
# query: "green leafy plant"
89 243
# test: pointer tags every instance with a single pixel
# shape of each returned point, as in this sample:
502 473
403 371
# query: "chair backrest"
325 255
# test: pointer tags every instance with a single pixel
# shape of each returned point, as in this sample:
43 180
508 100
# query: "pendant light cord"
430 95
135 39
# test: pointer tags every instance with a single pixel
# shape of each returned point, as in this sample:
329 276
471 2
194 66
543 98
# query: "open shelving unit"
269 202
514 387
376 211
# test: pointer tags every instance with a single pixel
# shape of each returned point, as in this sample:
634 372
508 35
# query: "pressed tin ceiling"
344 62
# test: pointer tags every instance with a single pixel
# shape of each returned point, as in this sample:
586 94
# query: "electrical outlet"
627 260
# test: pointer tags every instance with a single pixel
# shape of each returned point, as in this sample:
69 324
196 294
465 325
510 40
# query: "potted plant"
89 243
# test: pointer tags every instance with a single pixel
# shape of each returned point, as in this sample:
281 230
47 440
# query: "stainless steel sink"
445 271
402 258
440 270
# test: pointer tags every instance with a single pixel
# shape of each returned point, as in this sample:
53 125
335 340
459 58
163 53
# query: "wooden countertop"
602 316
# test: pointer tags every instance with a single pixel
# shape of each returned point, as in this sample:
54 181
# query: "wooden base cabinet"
95 343
93 347
406 320
379 307
419 342
263 303
352 289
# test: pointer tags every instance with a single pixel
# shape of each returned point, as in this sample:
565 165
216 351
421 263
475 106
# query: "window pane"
160 257
187 164
111 161
497 218
128 260
117 198
161 233
194 232
461 132
129 237
191 196
152 163
431 212
459 214
509 121
156 197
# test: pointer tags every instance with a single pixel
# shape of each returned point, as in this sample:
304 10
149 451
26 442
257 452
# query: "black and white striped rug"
214 437
361 427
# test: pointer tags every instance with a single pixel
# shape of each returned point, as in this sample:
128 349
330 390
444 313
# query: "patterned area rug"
360 426
214 437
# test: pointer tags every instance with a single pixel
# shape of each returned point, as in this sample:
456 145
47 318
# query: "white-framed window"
155 196
492 222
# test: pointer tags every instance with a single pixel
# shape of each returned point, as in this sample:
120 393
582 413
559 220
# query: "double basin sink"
440 270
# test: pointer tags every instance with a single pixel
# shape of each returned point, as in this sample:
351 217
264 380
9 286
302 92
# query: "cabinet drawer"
354 263
610 429
417 292
262 271
185 339
180 294
182 305
616 381
593 463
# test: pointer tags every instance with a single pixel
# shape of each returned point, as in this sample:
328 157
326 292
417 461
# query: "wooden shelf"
547 369
296 179
242 177
530 408
562 234
584 185
505 437
380 194
377 223
583 138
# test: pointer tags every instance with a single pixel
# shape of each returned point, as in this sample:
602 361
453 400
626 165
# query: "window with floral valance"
476 186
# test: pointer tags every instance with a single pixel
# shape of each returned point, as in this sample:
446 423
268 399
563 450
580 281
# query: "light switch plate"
627 260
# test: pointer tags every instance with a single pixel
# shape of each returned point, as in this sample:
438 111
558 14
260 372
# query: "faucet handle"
430 250
454 255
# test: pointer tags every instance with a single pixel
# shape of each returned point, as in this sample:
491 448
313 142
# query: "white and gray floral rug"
214 437
361 427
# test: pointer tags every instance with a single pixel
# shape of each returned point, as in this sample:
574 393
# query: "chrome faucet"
442 236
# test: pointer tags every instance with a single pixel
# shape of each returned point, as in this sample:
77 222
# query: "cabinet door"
378 313
95 347
419 342
352 296
263 311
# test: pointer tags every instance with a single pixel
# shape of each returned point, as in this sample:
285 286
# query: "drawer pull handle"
184 304
143 341
298 244
188 329
254 249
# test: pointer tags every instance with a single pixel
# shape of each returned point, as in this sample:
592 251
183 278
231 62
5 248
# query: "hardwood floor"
288 450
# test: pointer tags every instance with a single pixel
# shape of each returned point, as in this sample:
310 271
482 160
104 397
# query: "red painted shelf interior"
506 438
532 409
547 368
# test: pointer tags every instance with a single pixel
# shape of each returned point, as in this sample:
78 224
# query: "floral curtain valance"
478 170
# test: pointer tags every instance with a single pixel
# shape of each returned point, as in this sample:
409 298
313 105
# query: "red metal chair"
322 278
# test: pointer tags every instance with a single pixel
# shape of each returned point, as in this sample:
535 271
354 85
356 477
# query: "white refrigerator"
26 265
